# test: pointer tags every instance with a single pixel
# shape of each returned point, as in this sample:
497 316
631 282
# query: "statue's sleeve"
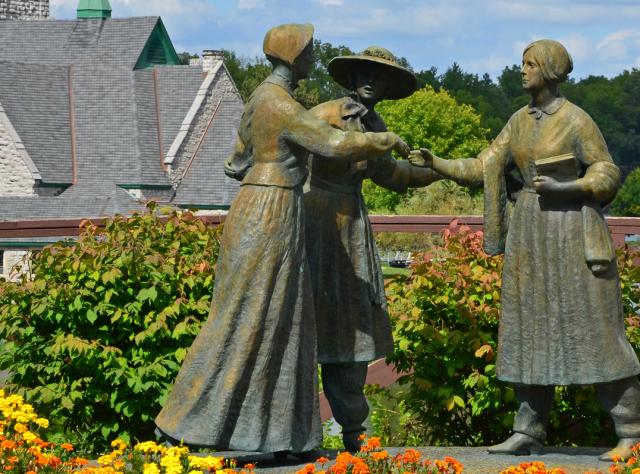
602 176
471 171
320 138
239 161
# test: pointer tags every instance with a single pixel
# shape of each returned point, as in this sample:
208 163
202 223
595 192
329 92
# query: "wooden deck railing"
620 227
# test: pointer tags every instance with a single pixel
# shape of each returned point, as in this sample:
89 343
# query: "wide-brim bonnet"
401 81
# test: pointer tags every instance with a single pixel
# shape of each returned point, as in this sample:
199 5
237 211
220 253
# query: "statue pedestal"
475 460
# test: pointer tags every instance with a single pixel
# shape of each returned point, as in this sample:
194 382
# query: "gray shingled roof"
36 101
64 42
205 182
111 142
116 111
92 199
178 86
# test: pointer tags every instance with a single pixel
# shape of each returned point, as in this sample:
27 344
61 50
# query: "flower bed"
22 451
372 459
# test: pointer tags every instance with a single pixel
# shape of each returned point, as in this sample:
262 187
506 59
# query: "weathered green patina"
94 9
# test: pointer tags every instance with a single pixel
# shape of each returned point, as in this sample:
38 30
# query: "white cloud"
619 45
494 64
563 11
330 3
249 5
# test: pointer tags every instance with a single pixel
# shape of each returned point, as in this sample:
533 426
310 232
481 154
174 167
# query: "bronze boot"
622 451
517 444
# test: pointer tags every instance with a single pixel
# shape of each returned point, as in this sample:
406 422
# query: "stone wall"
24 9
219 87
15 177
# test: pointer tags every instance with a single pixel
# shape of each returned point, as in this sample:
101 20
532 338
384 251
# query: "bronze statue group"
299 282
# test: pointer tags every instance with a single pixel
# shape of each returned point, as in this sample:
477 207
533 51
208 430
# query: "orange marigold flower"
362 437
249 466
67 446
322 460
614 469
411 456
8 444
360 468
636 470
380 455
79 461
631 461
307 469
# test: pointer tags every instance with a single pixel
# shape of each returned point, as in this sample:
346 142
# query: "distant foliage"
95 337
627 202
446 316
430 119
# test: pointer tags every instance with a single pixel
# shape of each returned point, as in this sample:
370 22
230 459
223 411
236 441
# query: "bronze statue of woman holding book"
562 319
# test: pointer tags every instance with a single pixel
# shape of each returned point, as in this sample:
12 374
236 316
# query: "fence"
620 227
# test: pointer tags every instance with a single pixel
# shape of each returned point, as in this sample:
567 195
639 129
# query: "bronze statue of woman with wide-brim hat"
351 312
249 381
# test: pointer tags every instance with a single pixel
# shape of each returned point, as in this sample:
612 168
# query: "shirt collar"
549 108
280 81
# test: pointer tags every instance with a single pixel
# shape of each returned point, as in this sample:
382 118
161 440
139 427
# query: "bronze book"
560 167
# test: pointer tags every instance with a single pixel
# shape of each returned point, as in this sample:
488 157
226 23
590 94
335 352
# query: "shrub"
446 331
95 337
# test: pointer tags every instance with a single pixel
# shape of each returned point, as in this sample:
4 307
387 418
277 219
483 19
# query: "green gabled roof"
159 49
94 9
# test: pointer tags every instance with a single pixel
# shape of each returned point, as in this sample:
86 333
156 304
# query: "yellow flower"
150 468
28 436
106 459
150 447
206 462
196 472
42 422
118 445
20 428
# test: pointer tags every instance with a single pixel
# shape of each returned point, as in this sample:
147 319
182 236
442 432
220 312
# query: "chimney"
210 58
94 9
24 9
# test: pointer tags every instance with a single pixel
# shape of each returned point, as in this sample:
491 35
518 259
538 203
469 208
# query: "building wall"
14 263
222 87
15 177
24 9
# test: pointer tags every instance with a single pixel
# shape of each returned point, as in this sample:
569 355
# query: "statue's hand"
401 147
422 158
547 185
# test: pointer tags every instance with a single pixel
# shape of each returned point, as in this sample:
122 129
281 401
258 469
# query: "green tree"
319 86
627 202
430 119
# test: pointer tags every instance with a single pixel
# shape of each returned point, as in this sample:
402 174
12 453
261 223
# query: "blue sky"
603 36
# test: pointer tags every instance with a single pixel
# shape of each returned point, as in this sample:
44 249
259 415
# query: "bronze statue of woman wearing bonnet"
351 310
249 381
561 316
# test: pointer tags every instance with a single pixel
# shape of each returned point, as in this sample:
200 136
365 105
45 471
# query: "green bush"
427 119
96 334
446 331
